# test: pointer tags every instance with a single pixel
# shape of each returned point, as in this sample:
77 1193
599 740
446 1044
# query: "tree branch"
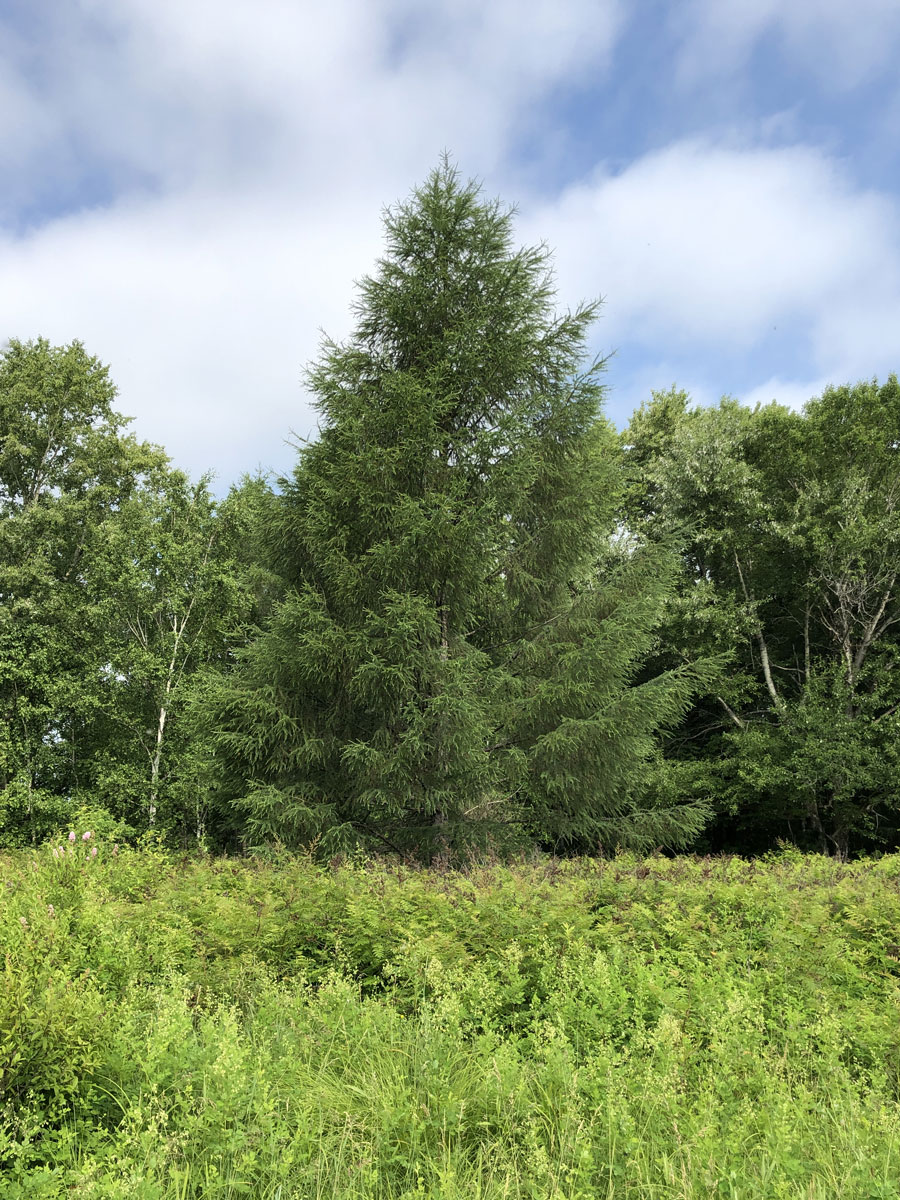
739 721
763 648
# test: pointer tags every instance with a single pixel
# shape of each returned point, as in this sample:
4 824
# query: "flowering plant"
71 850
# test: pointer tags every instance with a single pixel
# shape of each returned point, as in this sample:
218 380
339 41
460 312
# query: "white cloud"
207 310
242 153
182 91
792 392
233 160
718 247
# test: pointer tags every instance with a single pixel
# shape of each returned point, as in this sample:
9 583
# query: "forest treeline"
474 616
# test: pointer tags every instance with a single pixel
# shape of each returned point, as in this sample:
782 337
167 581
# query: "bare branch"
739 721
872 630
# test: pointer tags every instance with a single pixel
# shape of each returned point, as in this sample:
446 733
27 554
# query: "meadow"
559 1030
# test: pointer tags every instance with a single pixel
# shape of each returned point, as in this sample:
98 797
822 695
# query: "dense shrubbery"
275 1028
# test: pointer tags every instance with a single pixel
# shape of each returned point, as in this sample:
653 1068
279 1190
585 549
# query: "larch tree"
452 663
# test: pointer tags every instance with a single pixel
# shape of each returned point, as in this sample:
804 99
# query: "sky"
192 187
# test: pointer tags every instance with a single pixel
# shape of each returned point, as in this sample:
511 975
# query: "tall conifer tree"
452 659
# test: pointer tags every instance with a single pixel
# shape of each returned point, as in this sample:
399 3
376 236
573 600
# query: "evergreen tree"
451 660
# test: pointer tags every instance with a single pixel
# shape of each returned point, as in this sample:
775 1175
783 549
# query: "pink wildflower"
71 835
93 851
86 837
116 848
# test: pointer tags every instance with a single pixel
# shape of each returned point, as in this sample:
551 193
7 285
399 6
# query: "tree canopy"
474 615
789 527
119 581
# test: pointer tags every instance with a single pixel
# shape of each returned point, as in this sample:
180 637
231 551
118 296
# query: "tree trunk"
156 759
439 821
840 839
806 658
155 762
761 641
815 822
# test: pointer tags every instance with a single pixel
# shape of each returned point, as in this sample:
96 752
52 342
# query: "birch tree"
177 599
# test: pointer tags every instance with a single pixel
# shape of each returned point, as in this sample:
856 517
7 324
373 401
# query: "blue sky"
191 187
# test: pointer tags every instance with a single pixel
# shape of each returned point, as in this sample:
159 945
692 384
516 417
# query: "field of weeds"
276 1029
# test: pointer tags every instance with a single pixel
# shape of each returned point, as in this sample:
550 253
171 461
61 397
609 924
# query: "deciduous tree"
790 531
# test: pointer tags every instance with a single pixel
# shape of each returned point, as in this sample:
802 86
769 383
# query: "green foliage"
122 584
474 619
66 468
789 535
179 599
452 663
636 1027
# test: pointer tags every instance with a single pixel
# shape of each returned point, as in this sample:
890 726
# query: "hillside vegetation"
275 1028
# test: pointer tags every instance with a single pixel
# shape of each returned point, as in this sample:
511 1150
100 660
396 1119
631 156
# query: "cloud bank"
192 190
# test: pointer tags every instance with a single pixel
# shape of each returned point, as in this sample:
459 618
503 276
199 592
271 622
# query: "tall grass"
634 1028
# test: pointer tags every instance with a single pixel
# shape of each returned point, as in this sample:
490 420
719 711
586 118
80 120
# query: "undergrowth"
642 1028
